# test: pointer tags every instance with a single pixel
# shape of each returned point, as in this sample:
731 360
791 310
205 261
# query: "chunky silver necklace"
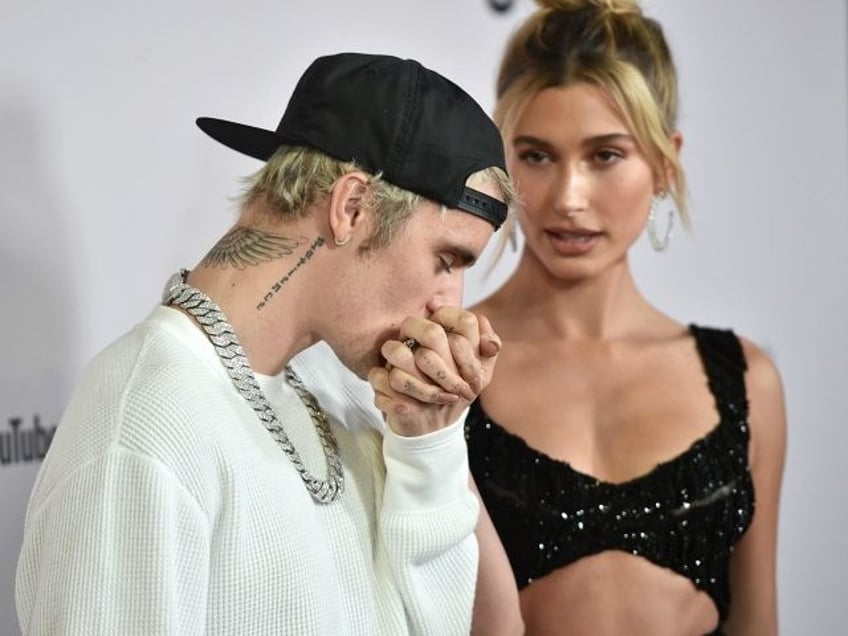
230 351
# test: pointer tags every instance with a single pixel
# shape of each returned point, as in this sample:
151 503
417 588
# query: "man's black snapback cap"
393 116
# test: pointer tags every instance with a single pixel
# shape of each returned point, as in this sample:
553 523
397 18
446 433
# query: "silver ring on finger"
411 343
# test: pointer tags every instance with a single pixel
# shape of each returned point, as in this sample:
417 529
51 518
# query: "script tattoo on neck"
243 246
307 255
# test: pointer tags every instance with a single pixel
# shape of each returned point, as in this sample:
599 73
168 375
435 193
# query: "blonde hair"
612 45
295 177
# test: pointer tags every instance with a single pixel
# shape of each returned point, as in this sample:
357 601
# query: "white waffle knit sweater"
165 507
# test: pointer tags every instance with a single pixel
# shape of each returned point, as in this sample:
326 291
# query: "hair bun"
615 7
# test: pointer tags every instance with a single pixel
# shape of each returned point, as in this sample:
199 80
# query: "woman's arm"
753 587
497 611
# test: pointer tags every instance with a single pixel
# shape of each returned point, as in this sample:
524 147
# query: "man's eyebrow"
465 255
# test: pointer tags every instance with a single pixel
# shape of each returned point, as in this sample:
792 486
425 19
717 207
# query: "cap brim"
253 142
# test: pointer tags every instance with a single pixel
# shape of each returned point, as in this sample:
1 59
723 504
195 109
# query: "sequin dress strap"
724 364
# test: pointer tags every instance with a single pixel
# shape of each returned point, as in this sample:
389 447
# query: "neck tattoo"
220 333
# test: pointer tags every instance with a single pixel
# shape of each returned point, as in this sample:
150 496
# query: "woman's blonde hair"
614 46
296 177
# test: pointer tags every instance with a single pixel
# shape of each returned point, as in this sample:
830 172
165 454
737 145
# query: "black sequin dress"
686 514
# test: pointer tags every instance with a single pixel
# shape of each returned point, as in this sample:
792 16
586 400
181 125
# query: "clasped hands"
434 370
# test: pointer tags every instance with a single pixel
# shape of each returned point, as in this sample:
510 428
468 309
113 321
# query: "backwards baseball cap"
392 116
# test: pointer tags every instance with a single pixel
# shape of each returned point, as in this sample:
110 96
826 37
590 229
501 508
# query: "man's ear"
347 206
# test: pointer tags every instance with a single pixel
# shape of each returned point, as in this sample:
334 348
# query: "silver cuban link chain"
213 321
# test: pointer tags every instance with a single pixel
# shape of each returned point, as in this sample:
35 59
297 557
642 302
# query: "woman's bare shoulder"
763 377
767 409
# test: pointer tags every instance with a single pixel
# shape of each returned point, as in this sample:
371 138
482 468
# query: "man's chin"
360 373
361 367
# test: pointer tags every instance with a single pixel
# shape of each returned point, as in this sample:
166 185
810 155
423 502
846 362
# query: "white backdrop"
106 187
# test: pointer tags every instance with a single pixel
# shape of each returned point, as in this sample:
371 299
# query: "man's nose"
449 294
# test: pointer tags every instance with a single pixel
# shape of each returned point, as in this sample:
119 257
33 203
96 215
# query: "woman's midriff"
615 593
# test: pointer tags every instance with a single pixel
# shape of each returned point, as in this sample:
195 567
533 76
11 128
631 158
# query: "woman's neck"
605 306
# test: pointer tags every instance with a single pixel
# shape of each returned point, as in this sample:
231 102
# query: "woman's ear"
677 140
347 206
669 171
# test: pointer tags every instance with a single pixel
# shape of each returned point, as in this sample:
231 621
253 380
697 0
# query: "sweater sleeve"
117 547
427 525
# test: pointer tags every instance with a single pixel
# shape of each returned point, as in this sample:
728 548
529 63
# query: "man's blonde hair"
296 177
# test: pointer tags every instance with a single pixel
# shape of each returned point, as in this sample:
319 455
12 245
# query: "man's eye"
446 263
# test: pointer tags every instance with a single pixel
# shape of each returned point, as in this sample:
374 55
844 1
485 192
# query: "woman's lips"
573 241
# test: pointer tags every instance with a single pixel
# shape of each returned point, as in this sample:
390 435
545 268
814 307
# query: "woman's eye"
607 156
534 156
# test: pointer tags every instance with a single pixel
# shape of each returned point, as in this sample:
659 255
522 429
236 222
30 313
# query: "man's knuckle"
466 321
433 331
